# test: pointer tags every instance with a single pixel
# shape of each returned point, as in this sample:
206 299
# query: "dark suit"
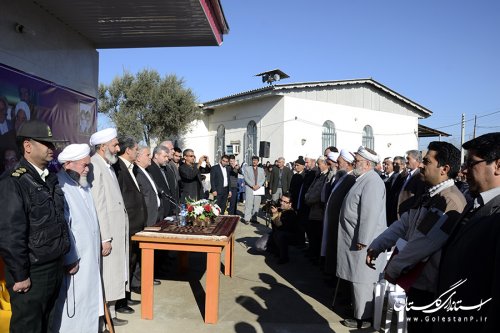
163 189
295 184
132 198
391 200
411 193
150 196
286 177
173 185
190 182
331 229
217 185
137 216
473 253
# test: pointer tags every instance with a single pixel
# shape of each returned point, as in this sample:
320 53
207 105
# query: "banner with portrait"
71 115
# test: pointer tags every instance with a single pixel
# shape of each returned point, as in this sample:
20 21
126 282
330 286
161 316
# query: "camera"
269 204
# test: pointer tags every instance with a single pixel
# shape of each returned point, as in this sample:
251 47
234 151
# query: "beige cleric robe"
113 223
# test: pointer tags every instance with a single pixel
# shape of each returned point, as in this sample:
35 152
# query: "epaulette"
19 172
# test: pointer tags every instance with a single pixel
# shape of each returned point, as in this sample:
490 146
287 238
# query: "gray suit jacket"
362 219
113 223
250 179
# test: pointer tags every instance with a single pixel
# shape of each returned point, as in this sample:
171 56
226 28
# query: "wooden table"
184 239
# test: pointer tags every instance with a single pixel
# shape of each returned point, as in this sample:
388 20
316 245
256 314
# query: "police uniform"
34 237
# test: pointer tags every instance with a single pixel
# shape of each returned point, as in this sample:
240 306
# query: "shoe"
156 282
131 302
244 221
255 222
125 309
136 290
119 322
356 323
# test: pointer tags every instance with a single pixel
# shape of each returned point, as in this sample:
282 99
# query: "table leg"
147 269
212 288
229 258
183 257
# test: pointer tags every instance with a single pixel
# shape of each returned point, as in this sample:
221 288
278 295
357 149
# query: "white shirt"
224 175
130 168
43 173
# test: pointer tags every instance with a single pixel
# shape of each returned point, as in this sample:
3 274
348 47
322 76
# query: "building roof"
143 23
280 88
427 132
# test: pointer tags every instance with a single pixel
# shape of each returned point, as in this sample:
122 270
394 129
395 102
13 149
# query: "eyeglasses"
470 163
283 201
189 155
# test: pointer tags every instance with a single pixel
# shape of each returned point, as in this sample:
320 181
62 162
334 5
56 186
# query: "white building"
305 118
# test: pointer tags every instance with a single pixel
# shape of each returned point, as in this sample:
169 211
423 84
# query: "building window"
328 136
250 142
220 142
368 140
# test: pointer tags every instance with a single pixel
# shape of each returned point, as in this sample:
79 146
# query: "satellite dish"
272 76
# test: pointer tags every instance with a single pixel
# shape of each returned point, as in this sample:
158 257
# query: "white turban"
332 156
369 156
347 156
103 136
74 152
23 106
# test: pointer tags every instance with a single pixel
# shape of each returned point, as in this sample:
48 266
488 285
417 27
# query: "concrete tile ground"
260 297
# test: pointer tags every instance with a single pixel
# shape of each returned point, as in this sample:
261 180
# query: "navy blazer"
217 179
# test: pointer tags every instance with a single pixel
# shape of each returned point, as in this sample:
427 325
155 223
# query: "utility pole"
474 133
462 140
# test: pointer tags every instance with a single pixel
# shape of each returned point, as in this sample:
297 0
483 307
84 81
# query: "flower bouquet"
202 212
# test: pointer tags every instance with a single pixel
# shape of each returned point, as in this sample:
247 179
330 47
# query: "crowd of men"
66 236
353 208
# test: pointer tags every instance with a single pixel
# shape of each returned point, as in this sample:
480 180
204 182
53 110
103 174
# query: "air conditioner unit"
236 149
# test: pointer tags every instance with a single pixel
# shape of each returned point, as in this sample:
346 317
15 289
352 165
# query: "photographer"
284 226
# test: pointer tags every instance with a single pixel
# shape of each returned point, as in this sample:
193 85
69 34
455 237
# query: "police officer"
34 234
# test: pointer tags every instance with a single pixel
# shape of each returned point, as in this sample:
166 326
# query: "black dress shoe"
132 302
156 282
136 290
125 309
119 322
356 323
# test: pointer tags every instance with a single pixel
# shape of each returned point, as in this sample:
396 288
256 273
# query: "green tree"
147 106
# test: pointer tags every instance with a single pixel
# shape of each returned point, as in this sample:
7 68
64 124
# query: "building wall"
362 96
294 125
48 48
303 119
267 114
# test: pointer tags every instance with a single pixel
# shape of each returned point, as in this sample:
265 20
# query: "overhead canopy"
427 132
142 23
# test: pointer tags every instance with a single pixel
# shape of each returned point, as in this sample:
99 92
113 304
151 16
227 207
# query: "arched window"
250 142
368 139
328 136
220 143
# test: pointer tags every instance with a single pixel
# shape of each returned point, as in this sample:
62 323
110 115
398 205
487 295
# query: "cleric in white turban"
332 156
74 152
368 154
347 156
103 136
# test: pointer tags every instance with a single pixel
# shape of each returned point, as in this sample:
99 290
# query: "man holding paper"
254 189
421 232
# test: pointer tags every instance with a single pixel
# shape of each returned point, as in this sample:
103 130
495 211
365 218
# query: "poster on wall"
71 115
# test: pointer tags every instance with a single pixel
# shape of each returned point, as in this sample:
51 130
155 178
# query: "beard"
112 158
81 180
358 171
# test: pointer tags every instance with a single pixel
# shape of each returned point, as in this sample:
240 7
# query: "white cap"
369 156
332 156
23 106
347 156
74 152
103 136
